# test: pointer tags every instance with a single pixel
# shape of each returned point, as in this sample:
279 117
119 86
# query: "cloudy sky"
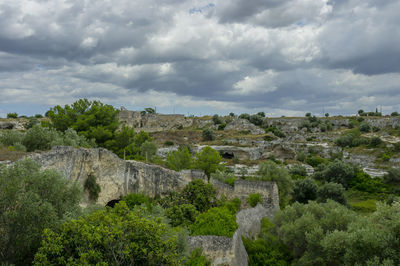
283 57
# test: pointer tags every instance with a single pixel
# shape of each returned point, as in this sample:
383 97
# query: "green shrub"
394 114
216 221
92 187
385 157
315 160
180 159
365 127
366 206
197 259
11 137
19 147
31 200
375 142
134 199
181 215
301 156
298 170
337 172
40 138
304 190
363 182
12 115
331 191
256 120
375 129
200 194
168 143
208 134
216 119
254 199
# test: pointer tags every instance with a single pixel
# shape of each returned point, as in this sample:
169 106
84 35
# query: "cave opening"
112 203
227 155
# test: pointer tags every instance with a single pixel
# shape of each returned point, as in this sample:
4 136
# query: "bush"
337 172
135 199
40 138
224 176
256 120
385 157
112 236
180 159
254 199
197 259
216 221
207 160
181 215
200 194
216 119
304 190
301 156
270 171
363 182
365 127
331 191
298 170
221 126
394 114
168 143
393 176
208 134
267 249
10 137
30 201
315 160
375 142
12 115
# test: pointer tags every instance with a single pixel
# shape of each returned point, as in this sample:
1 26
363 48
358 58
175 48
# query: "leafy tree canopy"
113 236
30 201
208 160
91 119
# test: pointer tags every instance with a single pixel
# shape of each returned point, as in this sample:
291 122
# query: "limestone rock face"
244 124
15 125
115 176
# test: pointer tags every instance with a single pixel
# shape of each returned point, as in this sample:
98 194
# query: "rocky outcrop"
14 125
244 125
115 176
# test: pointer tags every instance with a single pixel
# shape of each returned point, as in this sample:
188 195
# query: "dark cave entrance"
112 203
228 155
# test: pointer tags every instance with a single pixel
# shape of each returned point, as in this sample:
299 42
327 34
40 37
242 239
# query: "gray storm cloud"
291 56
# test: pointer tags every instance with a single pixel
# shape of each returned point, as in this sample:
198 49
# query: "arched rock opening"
112 203
228 155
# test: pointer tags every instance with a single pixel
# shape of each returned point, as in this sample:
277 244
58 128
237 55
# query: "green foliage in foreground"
117 236
197 259
330 234
30 201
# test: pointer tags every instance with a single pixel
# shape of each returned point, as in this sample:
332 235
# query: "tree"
337 172
181 215
208 160
331 191
326 114
270 171
91 119
12 115
304 190
208 134
30 201
112 236
150 110
148 149
180 159
216 221
216 119
199 194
